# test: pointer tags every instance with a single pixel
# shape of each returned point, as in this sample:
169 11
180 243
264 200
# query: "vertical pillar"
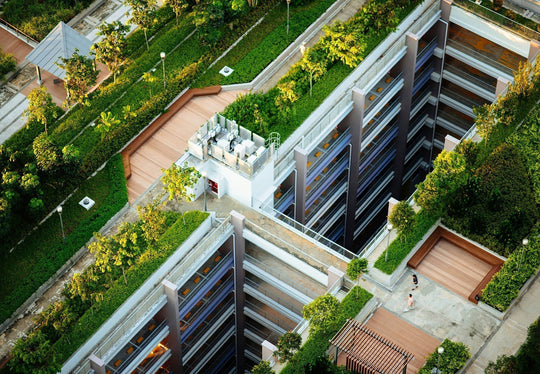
172 316
502 83
300 157
534 49
38 72
334 275
446 6
239 250
268 350
391 204
450 143
97 364
354 122
408 69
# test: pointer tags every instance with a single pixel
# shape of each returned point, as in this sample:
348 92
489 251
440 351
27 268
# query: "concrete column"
97 364
408 66
38 72
533 49
354 122
300 157
391 204
502 83
450 143
268 350
446 6
239 250
334 275
172 316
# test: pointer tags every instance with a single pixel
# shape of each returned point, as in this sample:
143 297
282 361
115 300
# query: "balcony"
415 145
381 185
425 52
329 218
374 170
419 100
216 352
257 333
421 120
267 317
284 200
377 146
328 198
476 83
381 93
153 362
324 181
369 215
142 345
325 153
422 77
372 128
460 100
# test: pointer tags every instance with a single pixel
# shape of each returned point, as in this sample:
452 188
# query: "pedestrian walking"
414 282
410 303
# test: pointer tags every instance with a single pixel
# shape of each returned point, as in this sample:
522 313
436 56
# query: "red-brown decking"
12 44
405 335
163 142
455 263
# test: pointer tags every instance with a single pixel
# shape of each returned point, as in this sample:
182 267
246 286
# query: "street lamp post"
437 370
389 227
524 242
162 55
59 210
204 188
288 2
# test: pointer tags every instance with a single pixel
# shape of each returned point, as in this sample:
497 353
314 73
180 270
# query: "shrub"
518 268
454 357
402 218
400 248
7 63
313 353
287 345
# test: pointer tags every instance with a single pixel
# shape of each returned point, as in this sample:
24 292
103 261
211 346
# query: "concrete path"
512 332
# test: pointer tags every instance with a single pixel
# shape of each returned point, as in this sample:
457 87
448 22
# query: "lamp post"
288 2
59 210
436 369
524 242
204 188
162 55
389 227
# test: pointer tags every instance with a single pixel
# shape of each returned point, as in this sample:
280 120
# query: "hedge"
317 343
43 252
136 275
504 287
403 244
7 64
454 357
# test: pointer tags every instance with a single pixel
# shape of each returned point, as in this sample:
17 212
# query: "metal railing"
462 47
492 16
473 79
18 33
287 305
200 250
395 81
269 316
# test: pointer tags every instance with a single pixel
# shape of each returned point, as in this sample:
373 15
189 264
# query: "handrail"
258 287
492 16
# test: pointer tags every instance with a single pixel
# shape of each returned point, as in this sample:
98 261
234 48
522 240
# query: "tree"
344 42
262 367
177 6
40 107
105 123
323 313
143 15
208 17
287 345
355 269
80 77
33 355
448 176
402 218
47 154
178 180
149 78
314 61
111 49
153 220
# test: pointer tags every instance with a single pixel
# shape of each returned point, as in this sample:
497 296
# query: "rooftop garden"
322 68
488 191
123 263
7 64
40 169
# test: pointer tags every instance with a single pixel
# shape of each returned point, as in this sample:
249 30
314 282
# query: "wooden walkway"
454 268
169 143
405 335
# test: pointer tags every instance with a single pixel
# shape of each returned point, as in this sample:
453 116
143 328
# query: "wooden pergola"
363 351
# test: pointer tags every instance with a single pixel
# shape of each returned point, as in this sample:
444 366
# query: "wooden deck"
169 143
11 44
405 335
454 268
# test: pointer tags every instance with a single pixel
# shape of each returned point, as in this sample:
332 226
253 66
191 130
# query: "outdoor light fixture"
288 2
59 210
524 242
162 55
436 369
389 227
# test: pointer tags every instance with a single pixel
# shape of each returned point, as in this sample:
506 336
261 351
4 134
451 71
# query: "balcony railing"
480 82
472 53
278 299
499 19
